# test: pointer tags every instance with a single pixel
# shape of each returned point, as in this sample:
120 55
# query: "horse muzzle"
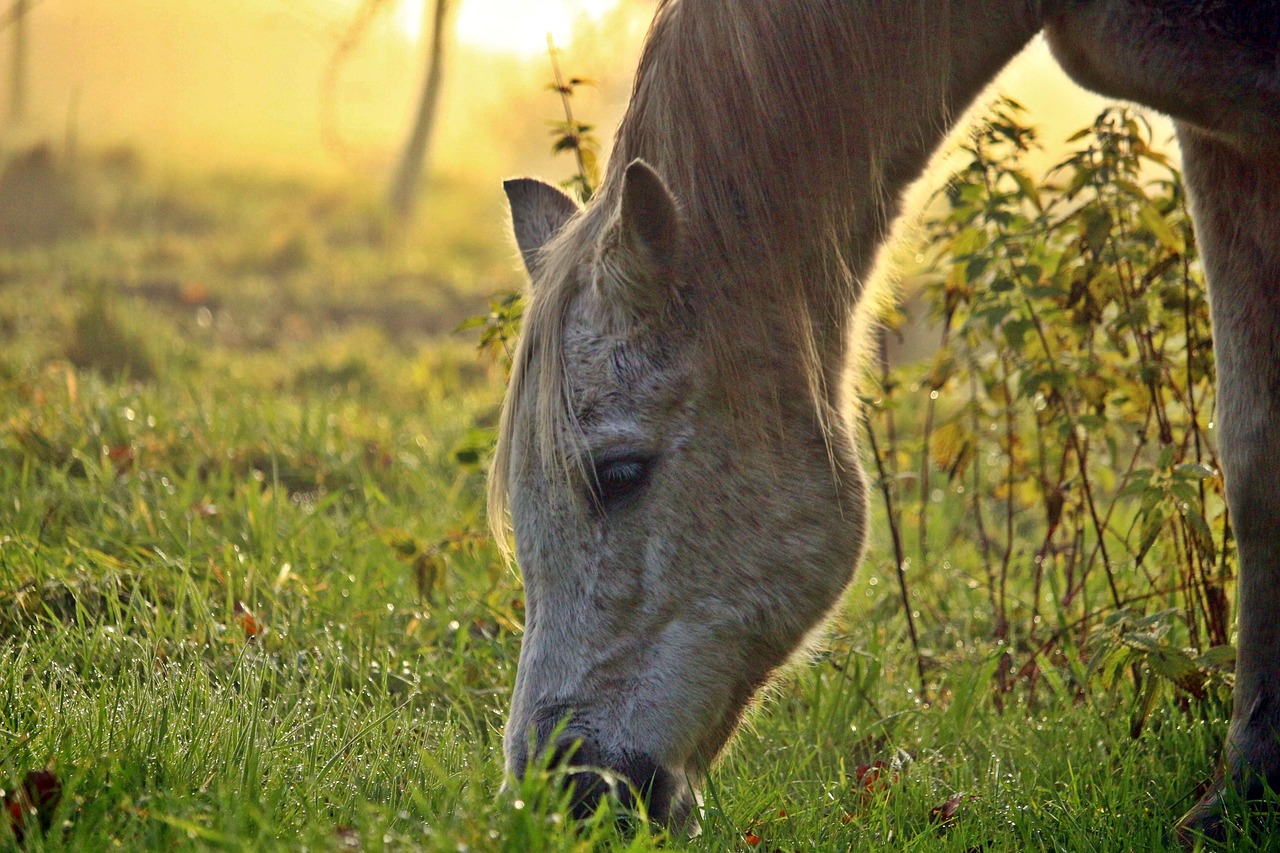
637 782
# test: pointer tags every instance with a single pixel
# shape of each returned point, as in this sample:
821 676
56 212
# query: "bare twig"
895 533
16 12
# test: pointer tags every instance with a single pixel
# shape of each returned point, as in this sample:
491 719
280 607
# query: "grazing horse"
677 448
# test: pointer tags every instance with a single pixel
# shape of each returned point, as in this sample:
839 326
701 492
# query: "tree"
407 181
17 18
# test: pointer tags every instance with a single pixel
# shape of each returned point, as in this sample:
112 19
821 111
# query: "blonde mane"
786 166
539 359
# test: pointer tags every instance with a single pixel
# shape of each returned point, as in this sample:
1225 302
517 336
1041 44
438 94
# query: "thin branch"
19 10
351 39
896 535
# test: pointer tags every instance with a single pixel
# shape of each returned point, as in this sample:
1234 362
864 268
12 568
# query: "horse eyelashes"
618 481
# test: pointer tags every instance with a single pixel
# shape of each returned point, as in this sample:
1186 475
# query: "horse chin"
683 812
678 807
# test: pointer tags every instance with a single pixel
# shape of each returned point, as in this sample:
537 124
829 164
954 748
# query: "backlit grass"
245 604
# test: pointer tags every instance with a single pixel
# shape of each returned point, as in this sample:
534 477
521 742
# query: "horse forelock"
539 379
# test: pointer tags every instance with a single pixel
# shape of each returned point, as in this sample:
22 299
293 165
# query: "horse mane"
763 117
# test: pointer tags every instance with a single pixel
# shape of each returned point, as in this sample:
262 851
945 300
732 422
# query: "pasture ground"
246 602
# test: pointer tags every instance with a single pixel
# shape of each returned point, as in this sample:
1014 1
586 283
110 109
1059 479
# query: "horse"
677 454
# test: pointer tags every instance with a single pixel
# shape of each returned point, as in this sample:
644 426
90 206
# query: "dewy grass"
213 629
358 711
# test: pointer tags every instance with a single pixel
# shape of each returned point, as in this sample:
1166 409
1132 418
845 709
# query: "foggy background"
240 84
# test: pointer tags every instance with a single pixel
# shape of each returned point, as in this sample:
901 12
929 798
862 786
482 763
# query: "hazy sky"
238 82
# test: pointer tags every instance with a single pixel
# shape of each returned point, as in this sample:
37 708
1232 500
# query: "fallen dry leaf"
37 797
252 627
946 813
194 293
122 457
874 777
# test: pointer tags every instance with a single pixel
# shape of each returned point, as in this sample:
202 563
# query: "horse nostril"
592 776
654 783
582 758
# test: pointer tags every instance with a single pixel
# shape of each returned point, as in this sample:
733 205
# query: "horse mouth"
636 783
665 799
682 818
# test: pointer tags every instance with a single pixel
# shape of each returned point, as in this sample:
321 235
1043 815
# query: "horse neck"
791 128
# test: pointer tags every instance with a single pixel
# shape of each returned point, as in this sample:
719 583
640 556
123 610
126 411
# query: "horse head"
683 516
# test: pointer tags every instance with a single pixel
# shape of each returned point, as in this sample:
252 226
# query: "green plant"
1135 644
498 328
572 136
501 324
1067 431
241 606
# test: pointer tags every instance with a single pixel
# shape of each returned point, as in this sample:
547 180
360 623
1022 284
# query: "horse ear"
649 222
538 212
643 241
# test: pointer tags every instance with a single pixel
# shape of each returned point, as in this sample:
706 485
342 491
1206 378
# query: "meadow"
248 600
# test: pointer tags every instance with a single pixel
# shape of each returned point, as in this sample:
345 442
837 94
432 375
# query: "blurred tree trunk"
407 183
18 76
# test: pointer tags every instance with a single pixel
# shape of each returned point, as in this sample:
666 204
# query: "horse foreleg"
1235 192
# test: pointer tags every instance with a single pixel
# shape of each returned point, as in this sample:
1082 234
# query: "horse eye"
617 480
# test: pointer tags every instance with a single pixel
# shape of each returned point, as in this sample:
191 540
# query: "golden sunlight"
520 27
410 16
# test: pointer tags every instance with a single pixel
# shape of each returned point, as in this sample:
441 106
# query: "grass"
244 604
